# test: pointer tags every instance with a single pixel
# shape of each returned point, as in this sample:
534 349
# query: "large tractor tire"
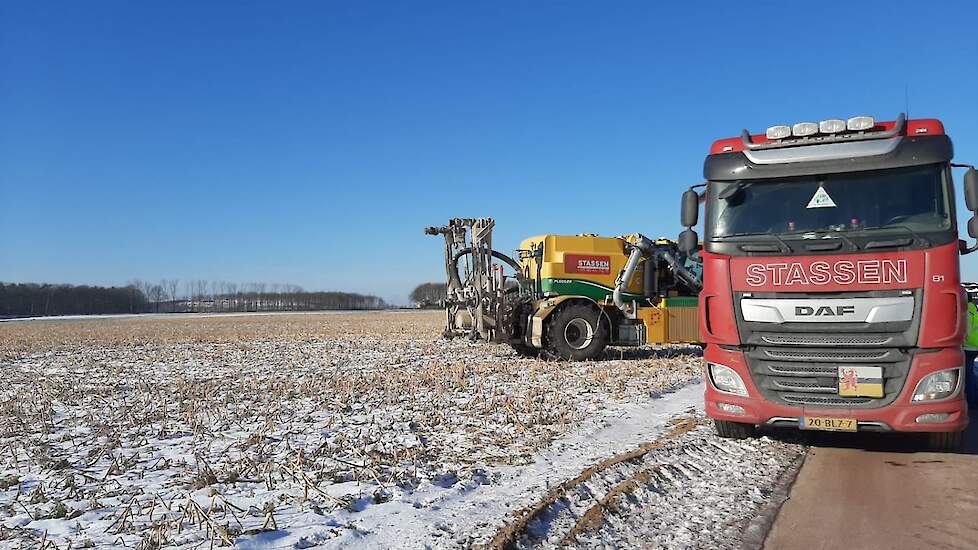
733 430
944 441
576 333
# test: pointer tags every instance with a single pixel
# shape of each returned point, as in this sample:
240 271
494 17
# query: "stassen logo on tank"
595 265
843 272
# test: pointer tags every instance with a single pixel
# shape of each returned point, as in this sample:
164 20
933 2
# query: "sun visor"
829 158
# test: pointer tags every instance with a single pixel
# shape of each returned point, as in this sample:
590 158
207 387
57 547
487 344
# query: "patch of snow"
472 512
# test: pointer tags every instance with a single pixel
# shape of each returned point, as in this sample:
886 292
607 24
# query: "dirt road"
881 492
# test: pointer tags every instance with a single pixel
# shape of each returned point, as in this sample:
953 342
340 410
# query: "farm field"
355 430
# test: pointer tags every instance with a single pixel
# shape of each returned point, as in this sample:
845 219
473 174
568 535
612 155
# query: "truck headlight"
727 380
937 385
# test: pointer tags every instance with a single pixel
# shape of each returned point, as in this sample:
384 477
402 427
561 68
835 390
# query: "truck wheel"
576 333
944 441
733 430
524 350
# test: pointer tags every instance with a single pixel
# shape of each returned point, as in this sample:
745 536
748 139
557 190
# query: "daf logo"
824 311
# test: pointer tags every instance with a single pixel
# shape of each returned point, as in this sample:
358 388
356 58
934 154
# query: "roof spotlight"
857 123
778 132
803 129
832 126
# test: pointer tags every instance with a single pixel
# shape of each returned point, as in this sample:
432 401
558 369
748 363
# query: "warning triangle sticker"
821 199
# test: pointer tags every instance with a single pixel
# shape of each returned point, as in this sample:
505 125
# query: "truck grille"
796 363
826 355
825 401
802 376
826 340
805 385
801 370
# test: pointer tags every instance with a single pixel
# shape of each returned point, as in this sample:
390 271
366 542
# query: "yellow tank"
579 265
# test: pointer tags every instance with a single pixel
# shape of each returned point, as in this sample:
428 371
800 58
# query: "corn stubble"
198 430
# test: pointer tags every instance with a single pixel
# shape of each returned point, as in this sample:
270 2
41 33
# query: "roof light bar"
803 129
832 126
830 130
778 132
858 123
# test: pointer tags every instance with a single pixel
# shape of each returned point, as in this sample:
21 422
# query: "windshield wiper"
733 190
887 244
825 234
848 240
743 234
784 246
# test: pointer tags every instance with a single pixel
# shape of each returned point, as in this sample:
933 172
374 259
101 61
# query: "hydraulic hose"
626 275
681 272
453 273
641 247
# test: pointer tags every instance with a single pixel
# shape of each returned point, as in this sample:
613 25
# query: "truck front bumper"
902 415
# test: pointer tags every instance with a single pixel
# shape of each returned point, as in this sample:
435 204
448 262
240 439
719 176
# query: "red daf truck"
832 297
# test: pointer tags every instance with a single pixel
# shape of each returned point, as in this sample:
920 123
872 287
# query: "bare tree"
200 289
156 294
144 287
171 288
234 296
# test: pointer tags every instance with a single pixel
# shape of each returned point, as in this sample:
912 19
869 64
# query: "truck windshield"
913 199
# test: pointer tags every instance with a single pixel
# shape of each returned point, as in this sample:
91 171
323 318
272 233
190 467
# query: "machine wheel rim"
578 333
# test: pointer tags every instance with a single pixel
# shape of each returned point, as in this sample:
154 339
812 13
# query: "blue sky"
310 143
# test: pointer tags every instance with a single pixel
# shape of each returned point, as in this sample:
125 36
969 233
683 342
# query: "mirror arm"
965 250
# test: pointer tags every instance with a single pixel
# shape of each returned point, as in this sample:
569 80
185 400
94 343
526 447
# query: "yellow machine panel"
676 324
656 321
684 325
583 265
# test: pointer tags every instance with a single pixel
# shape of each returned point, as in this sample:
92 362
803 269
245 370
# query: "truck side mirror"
689 214
689 241
970 191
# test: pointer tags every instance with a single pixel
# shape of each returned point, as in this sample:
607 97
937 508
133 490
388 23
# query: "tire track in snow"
545 509
686 489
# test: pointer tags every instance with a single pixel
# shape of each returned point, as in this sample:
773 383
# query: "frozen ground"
340 430
693 490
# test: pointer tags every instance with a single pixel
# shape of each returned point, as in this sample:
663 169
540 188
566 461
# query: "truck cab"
831 293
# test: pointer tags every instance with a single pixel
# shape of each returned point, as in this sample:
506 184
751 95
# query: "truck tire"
733 430
944 441
576 333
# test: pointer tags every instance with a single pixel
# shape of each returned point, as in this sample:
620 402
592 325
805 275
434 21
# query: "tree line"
170 296
429 294
39 300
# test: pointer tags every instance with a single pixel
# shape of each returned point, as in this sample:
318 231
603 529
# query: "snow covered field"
352 430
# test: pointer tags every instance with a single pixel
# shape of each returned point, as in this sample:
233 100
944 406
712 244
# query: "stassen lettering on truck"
591 265
844 272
